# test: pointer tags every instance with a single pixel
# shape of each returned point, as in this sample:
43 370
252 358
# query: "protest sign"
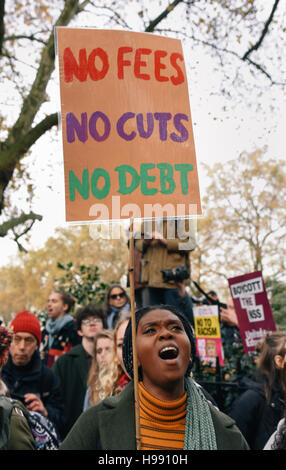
127 135
252 307
208 337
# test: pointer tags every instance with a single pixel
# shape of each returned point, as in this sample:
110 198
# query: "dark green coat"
15 432
110 425
72 370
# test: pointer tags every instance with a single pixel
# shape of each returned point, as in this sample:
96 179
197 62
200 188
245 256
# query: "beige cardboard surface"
126 125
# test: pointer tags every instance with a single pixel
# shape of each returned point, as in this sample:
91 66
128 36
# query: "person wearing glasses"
116 301
73 367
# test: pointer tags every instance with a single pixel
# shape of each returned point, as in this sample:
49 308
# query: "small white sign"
255 314
247 302
242 289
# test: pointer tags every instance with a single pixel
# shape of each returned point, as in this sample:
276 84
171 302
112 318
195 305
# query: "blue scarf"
113 314
54 326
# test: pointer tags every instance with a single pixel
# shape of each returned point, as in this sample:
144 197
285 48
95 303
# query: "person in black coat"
261 406
26 377
72 367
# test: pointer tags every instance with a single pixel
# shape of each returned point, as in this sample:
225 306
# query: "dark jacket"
257 419
72 371
110 425
36 378
185 304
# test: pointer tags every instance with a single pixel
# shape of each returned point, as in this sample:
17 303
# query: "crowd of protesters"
74 377
87 367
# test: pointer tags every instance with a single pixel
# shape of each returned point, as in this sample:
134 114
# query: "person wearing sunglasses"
116 301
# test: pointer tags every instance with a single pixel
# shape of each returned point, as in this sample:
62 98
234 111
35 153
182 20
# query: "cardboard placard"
252 307
127 133
208 336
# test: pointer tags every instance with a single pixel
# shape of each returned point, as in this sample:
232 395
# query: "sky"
223 128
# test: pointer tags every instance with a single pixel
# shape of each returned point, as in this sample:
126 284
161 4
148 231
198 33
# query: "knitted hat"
28 323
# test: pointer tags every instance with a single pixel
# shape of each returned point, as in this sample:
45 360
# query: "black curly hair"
127 344
90 310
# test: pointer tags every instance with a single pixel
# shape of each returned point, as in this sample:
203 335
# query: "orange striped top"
162 424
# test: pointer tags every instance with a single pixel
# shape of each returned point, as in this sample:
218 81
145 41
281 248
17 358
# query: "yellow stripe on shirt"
162 424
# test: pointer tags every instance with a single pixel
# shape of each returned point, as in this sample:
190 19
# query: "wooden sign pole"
133 325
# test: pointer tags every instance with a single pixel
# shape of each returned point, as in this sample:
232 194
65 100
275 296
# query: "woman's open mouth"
168 352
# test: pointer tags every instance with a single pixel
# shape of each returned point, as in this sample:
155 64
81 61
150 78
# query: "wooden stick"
133 325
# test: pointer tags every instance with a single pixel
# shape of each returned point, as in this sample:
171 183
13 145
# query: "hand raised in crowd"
181 288
159 237
228 315
155 238
34 403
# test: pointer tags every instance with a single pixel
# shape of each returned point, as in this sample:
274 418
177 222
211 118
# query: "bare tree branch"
37 92
21 132
11 156
2 29
223 50
264 32
16 221
31 37
118 17
152 25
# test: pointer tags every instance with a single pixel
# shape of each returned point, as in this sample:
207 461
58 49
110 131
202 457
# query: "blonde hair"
273 345
122 319
100 380
103 382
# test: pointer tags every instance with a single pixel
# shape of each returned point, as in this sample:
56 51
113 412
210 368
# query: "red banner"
252 307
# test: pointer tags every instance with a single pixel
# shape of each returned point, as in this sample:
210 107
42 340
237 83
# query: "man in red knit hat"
27 379
27 337
15 432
